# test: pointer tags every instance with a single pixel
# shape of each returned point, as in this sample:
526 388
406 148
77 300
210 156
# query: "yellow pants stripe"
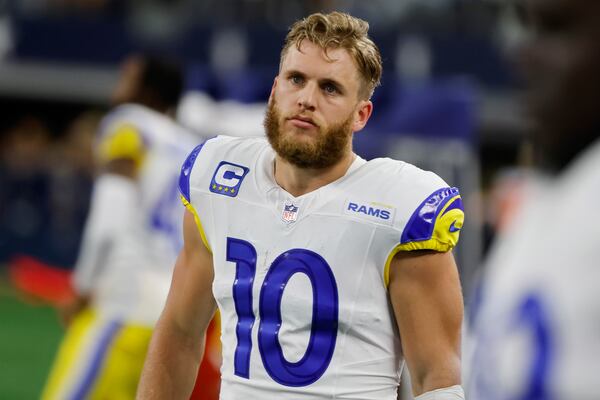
98 359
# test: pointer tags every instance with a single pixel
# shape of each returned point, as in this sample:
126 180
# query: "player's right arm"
177 344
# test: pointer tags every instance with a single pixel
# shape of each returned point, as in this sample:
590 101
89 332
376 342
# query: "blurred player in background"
537 327
131 239
315 257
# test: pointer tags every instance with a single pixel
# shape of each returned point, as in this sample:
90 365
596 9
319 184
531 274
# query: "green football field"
29 336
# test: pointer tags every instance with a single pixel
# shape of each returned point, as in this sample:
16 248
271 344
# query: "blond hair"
340 30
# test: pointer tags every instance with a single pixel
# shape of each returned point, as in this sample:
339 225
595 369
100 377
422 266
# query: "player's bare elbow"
443 373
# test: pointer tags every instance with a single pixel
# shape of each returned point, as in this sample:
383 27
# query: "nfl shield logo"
290 213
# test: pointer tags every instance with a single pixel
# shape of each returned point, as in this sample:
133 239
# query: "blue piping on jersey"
186 170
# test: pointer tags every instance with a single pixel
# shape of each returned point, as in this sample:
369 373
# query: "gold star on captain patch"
220 187
214 186
232 190
226 189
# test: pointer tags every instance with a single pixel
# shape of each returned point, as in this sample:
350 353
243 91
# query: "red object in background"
41 281
53 285
208 382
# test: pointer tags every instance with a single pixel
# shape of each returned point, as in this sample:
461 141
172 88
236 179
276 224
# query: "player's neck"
298 181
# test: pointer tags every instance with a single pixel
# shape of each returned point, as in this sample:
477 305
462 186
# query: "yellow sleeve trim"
197 219
123 142
431 244
388 262
445 236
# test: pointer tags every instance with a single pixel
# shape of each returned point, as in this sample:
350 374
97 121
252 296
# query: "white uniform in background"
129 272
536 324
203 115
301 282
131 239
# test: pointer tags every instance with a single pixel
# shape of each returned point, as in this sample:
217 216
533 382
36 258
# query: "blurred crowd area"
46 170
448 99
384 13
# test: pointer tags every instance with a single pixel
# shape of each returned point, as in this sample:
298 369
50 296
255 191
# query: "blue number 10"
324 313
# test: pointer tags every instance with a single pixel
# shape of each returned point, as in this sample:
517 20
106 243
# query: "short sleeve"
436 223
186 172
184 190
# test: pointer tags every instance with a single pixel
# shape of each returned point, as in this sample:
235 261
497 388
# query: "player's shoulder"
428 211
235 150
234 146
399 179
131 130
226 155
148 123
133 114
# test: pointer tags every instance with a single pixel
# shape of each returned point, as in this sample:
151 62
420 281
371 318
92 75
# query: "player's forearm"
171 365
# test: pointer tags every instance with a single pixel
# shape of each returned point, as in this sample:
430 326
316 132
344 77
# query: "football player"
318 260
131 239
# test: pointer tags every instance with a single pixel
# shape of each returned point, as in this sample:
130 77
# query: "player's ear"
273 88
362 115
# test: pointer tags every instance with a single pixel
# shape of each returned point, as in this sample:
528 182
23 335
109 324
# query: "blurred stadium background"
448 103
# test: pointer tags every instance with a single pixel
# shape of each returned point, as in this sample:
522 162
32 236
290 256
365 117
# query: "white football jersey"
536 321
301 282
130 275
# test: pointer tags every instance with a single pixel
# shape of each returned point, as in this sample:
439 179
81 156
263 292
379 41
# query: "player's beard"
325 150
